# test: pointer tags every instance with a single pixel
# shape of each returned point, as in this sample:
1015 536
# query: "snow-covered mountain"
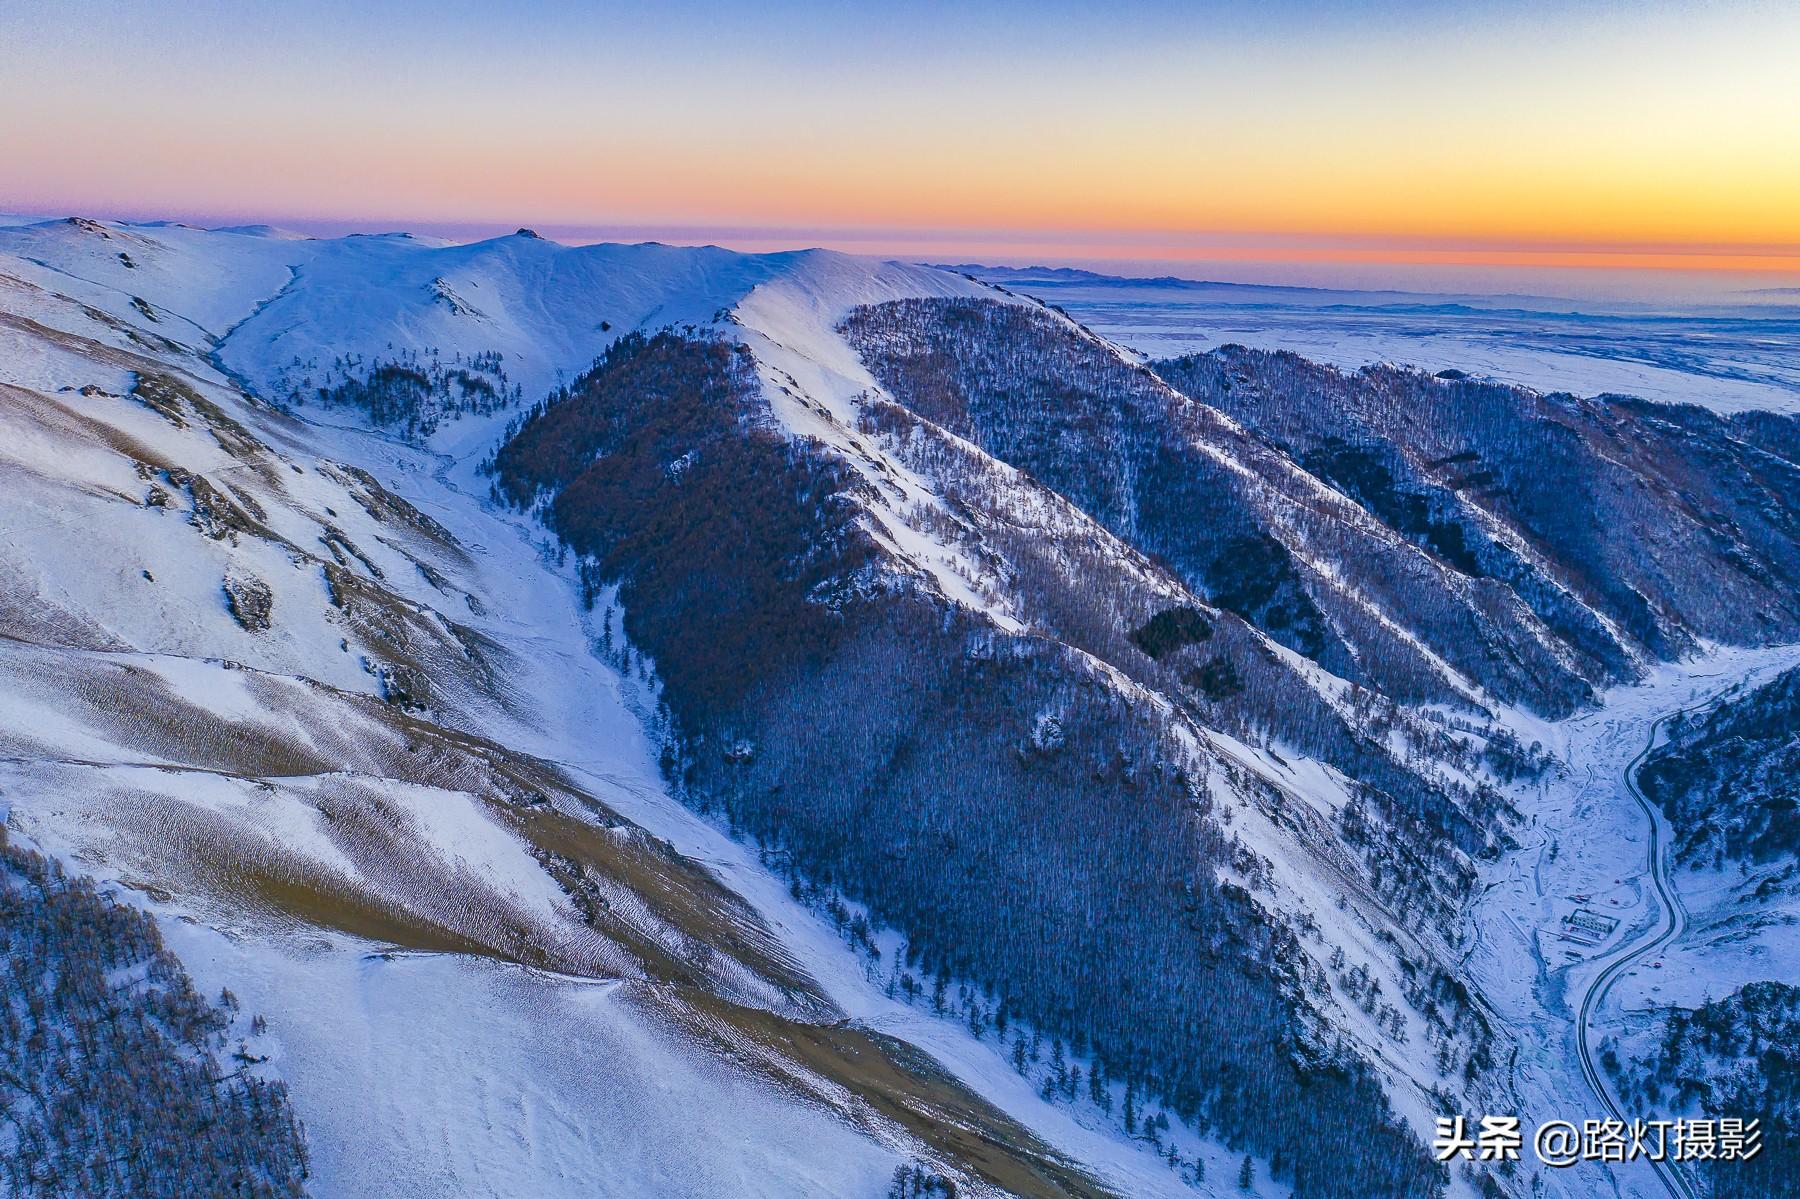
659 720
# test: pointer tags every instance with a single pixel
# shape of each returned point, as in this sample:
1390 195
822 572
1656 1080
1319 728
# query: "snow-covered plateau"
1734 352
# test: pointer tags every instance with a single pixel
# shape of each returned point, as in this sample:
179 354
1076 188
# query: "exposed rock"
249 601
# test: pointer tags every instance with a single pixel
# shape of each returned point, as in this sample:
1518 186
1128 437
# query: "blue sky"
1647 132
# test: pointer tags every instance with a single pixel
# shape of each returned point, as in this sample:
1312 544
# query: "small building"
1591 922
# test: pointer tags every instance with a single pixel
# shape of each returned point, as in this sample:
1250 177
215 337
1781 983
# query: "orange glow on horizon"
1662 138
1666 260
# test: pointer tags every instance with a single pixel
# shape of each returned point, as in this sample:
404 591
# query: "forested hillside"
1028 793
411 393
1037 833
1231 515
1729 778
346 725
117 1081
1624 528
1733 1058
1328 507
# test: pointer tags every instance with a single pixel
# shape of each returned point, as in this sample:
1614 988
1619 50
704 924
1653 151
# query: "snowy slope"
405 755
196 283
540 304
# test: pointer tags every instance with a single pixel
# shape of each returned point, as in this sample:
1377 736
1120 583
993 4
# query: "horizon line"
944 244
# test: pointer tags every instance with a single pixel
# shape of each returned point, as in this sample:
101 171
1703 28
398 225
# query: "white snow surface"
416 1074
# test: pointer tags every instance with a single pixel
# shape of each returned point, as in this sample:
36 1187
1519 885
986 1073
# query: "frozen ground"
1728 357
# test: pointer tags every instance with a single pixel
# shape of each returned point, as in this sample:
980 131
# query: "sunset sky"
1587 134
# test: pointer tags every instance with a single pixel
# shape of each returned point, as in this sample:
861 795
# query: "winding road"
1671 923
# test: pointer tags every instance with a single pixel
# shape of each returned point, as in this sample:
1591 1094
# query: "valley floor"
1584 849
